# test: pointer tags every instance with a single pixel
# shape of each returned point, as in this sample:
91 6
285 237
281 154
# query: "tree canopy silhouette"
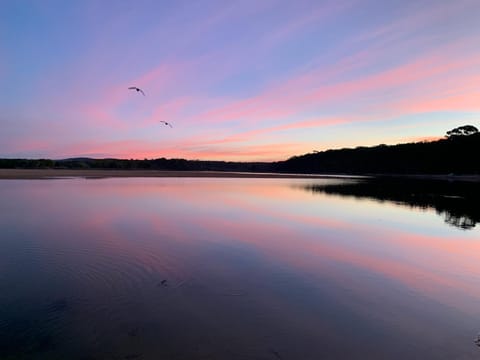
464 130
455 154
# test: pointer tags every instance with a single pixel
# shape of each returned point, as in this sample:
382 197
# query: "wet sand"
94 174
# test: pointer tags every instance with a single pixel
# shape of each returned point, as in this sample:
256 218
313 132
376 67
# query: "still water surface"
198 268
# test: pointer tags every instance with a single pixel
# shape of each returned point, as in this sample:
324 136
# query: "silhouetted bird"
136 88
166 123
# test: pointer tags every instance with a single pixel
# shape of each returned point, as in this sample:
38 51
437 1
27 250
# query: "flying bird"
136 88
166 123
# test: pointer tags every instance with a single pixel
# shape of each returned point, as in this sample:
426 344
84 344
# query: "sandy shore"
95 174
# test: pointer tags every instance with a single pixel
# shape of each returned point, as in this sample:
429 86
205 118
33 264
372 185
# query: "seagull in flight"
166 123
136 88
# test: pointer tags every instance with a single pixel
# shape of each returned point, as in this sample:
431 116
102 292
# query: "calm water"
180 268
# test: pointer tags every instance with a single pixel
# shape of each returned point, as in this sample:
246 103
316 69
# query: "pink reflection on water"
268 260
440 267
161 223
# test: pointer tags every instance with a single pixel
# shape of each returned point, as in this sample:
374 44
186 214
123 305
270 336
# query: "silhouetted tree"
462 131
463 222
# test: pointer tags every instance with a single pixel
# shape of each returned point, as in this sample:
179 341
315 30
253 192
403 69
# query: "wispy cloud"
239 76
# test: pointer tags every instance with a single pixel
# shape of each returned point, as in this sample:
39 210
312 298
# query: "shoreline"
39 174
46 174
437 177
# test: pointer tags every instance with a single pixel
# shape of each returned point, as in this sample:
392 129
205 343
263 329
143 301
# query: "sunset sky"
249 80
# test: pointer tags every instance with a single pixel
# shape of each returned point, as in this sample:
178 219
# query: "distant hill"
457 154
76 159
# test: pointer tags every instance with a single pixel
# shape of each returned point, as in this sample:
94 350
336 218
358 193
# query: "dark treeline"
457 202
457 154
153 164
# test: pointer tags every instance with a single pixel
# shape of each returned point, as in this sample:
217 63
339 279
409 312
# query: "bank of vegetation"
457 153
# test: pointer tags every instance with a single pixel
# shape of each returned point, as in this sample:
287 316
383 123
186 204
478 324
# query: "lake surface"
204 268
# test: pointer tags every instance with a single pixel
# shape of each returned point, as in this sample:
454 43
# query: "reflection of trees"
457 202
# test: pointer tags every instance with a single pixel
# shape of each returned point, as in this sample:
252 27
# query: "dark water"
238 269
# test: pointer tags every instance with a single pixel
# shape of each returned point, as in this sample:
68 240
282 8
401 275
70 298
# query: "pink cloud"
261 152
170 110
449 93
159 81
36 147
462 102
252 134
140 149
311 90
422 69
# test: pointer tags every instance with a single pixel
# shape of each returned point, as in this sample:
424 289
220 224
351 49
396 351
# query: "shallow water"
199 268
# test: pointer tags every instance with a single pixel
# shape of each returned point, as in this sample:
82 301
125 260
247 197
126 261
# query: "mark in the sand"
163 283
45 343
234 294
133 332
477 340
181 283
276 354
132 356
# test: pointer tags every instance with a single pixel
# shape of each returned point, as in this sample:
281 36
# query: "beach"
104 173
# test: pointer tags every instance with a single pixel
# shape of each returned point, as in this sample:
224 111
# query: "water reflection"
228 269
457 202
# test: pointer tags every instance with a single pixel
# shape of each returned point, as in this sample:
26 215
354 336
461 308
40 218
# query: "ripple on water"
89 288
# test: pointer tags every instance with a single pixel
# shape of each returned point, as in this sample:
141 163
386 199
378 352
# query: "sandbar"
104 173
